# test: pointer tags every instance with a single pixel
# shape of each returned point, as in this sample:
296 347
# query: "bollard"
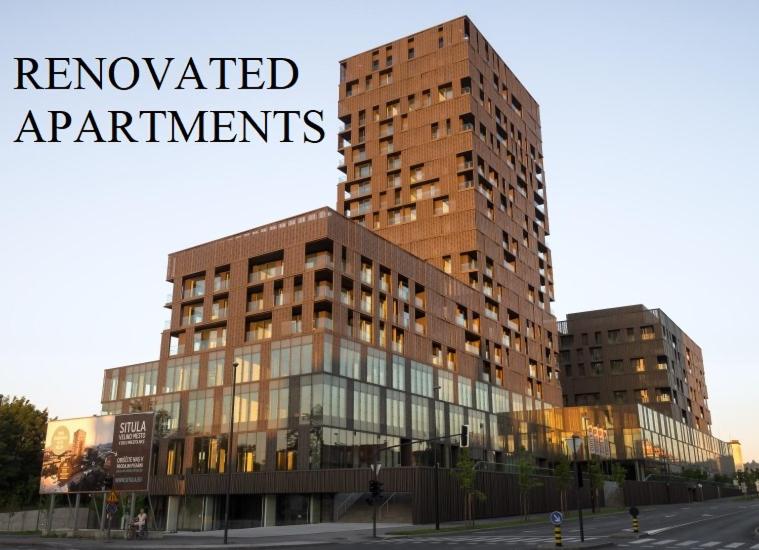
557 535
635 525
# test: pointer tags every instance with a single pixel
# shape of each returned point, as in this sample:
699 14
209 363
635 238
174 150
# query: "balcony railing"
255 306
323 323
220 284
319 261
324 292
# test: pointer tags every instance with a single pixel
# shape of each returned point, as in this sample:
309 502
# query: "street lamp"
229 453
575 443
436 389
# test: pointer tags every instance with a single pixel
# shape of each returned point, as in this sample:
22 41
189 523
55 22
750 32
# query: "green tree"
596 478
467 475
563 474
22 438
618 476
527 481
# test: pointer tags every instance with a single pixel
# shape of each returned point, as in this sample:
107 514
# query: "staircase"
393 508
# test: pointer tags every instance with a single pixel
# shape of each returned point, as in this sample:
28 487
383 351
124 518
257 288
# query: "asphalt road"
716 525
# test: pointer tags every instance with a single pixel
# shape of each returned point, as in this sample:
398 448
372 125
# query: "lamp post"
436 389
575 443
229 454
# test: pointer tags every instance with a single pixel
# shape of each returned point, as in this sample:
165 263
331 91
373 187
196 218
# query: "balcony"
385 283
366 276
472 347
324 292
419 302
460 320
466 165
469 266
292 327
323 323
258 275
319 261
491 314
403 293
366 305
193 318
194 292
402 320
254 306
359 191
220 284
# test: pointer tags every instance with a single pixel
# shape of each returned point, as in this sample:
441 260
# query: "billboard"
97 453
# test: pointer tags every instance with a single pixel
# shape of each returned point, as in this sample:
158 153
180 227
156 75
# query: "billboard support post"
132 504
102 513
76 512
50 512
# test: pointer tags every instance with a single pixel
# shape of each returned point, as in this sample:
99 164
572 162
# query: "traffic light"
375 488
465 435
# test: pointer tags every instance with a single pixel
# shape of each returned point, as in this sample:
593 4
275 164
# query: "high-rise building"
633 354
442 154
426 307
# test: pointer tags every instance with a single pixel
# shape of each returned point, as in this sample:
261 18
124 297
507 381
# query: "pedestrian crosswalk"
689 544
521 541
474 540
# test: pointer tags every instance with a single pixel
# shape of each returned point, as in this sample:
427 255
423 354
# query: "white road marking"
687 542
639 541
663 542
754 547
710 544
734 544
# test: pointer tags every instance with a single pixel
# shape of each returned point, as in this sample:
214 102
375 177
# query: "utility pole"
228 473
437 472
575 443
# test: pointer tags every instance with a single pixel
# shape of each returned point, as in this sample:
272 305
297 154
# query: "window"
350 359
215 375
662 362
596 368
248 361
435 133
291 357
500 400
441 206
647 333
613 336
420 417
620 396
447 264
465 392
287 450
210 338
279 395
641 395
396 413
638 364
246 406
386 77
259 329
411 53
616 366
376 366
482 396
445 92
323 400
142 379
421 379
167 408
200 411
366 407
182 374
251 451
399 372
445 381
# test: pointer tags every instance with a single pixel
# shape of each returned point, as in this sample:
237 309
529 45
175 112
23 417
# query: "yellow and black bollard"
635 525
557 535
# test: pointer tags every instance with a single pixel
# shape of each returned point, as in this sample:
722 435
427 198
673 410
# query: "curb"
591 544
756 532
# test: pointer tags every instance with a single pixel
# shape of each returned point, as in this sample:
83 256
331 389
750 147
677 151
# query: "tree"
467 475
527 481
563 474
22 438
596 478
618 475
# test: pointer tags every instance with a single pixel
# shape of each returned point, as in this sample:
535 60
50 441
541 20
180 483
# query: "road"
715 525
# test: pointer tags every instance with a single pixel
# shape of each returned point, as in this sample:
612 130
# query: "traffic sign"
556 518
112 508
634 511
112 498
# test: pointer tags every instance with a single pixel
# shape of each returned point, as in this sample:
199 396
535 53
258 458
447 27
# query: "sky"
650 119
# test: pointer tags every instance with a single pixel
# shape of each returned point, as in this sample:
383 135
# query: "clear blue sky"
650 122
